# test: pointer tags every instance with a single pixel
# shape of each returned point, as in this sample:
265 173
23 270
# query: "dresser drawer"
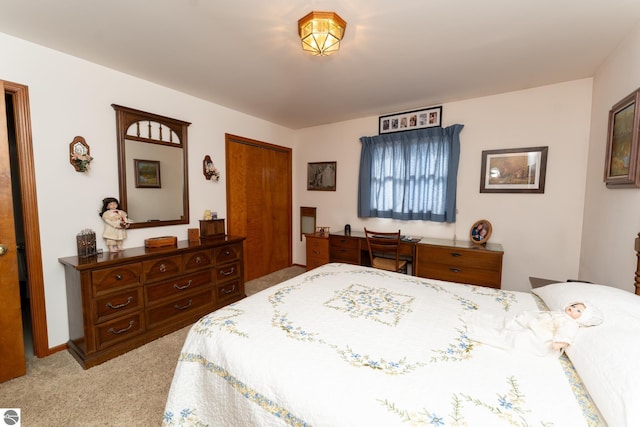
344 242
474 266
109 279
344 249
176 286
489 278
469 258
313 262
228 253
161 268
118 303
118 330
197 260
318 246
321 253
228 291
190 305
227 272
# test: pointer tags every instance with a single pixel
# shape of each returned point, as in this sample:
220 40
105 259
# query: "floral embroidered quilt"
344 345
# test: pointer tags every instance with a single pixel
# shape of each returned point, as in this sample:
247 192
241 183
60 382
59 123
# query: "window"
410 175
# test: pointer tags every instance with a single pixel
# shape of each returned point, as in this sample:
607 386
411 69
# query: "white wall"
70 97
612 216
540 233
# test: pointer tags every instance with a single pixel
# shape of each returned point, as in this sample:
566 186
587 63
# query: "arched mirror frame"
125 117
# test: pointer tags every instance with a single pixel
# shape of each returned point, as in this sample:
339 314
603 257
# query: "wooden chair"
384 251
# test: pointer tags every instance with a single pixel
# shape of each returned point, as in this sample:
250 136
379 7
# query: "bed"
345 345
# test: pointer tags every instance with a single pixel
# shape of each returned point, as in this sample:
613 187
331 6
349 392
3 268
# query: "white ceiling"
396 56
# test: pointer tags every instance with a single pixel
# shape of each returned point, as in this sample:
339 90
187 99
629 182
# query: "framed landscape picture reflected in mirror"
147 173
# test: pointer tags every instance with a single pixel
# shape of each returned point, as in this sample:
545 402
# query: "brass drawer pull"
229 272
227 252
198 260
189 304
113 331
455 270
233 289
118 277
317 252
178 287
455 254
117 306
163 268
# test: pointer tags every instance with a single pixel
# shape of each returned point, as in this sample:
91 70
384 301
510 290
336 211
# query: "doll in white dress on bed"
538 333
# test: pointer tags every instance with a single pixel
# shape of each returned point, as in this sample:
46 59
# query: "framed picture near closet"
321 176
622 168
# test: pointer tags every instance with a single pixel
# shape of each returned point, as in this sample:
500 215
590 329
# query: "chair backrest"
383 244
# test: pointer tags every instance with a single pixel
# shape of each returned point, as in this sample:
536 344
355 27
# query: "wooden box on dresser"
121 300
460 261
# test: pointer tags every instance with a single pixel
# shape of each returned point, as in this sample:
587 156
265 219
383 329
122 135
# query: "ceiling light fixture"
321 32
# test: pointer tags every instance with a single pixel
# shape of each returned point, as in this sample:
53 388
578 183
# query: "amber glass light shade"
321 32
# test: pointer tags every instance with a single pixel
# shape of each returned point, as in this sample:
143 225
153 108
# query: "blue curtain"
410 175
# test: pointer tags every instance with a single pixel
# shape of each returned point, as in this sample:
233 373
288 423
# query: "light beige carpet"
130 390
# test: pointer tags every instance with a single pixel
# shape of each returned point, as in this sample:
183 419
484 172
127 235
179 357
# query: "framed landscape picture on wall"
516 170
622 168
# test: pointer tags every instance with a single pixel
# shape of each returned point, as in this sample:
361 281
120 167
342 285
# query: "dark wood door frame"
20 96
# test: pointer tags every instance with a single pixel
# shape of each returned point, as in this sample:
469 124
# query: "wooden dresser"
317 249
460 261
121 300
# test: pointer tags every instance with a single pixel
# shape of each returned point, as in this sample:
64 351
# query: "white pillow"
605 356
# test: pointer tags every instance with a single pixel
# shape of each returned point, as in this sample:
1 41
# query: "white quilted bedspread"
345 345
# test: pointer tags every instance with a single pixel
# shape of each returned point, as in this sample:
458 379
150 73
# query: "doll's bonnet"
591 316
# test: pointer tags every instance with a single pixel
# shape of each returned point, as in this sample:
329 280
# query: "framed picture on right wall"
514 170
622 168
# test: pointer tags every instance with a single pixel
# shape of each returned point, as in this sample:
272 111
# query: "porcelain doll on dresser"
116 223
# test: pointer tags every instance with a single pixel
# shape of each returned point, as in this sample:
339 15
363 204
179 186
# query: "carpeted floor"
129 390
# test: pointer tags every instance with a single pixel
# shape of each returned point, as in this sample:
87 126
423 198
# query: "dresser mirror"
152 167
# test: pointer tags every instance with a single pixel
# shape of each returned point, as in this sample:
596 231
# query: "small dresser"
460 261
121 300
317 249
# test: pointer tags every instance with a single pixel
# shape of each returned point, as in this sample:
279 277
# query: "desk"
442 259
352 249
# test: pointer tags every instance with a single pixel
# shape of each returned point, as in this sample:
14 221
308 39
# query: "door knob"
3 249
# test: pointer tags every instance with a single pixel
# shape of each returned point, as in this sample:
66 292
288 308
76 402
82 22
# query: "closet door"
259 203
